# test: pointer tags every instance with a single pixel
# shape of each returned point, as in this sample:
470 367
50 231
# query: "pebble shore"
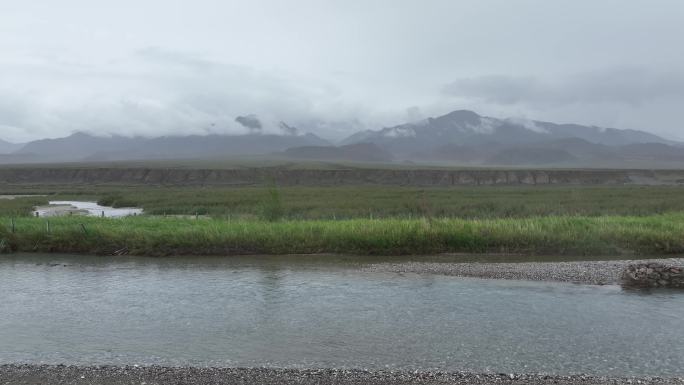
586 272
157 375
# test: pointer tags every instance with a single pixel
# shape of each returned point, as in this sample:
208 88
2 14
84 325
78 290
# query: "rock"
653 275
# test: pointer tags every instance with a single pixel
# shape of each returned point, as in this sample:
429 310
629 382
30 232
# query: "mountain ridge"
9 147
461 137
464 137
85 147
467 128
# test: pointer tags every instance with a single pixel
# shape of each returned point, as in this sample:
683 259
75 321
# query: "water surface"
60 208
275 311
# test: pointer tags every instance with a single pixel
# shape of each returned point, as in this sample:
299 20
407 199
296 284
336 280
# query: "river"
313 312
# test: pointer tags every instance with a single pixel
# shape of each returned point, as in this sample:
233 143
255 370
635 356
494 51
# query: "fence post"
47 226
14 227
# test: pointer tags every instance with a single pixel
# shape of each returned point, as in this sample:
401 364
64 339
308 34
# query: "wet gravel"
587 272
157 375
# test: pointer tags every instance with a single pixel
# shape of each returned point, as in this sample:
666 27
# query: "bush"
272 208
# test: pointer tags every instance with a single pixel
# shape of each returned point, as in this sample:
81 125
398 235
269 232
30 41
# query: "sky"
176 67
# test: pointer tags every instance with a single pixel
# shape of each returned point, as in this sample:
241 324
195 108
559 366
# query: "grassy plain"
368 220
348 202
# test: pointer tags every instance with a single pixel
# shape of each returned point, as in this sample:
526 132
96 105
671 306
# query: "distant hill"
563 152
458 138
358 152
464 137
531 156
8 148
85 147
468 128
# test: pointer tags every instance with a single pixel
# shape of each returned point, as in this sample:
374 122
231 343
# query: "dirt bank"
331 177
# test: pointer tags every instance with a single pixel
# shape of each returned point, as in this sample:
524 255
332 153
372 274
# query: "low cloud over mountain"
85 147
460 137
464 137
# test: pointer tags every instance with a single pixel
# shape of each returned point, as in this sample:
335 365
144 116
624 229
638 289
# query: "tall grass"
611 235
21 207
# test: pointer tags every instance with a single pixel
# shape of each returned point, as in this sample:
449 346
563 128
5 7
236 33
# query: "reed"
157 236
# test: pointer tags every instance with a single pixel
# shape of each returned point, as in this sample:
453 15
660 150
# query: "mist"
333 67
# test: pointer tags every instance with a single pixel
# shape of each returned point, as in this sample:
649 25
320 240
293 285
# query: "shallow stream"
288 312
61 208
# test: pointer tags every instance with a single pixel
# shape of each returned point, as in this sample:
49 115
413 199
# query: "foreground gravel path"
589 272
156 375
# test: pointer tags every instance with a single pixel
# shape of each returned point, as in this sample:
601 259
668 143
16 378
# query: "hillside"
461 138
84 147
464 137
468 128
8 148
358 152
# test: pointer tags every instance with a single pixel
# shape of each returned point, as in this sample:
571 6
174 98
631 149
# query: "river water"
61 208
290 312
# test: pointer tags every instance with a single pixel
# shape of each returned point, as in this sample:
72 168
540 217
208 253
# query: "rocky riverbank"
587 272
153 375
654 275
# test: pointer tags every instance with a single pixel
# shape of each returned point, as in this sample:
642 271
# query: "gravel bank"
588 272
156 375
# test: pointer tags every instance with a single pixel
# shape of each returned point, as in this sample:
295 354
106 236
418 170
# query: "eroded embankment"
327 177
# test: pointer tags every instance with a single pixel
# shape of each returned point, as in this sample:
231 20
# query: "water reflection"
272 311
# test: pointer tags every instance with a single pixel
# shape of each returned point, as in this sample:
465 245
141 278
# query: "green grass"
348 202
608 235
20 207
620 220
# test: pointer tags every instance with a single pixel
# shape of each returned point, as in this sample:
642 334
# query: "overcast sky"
157 67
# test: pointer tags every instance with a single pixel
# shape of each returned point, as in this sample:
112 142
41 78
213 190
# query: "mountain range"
468 128
85 147
466 138
460 138
8 148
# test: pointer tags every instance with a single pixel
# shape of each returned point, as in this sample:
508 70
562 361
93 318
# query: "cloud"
203 63
159 92
627 86
636 98
287 129
251 122
153 92
529 124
